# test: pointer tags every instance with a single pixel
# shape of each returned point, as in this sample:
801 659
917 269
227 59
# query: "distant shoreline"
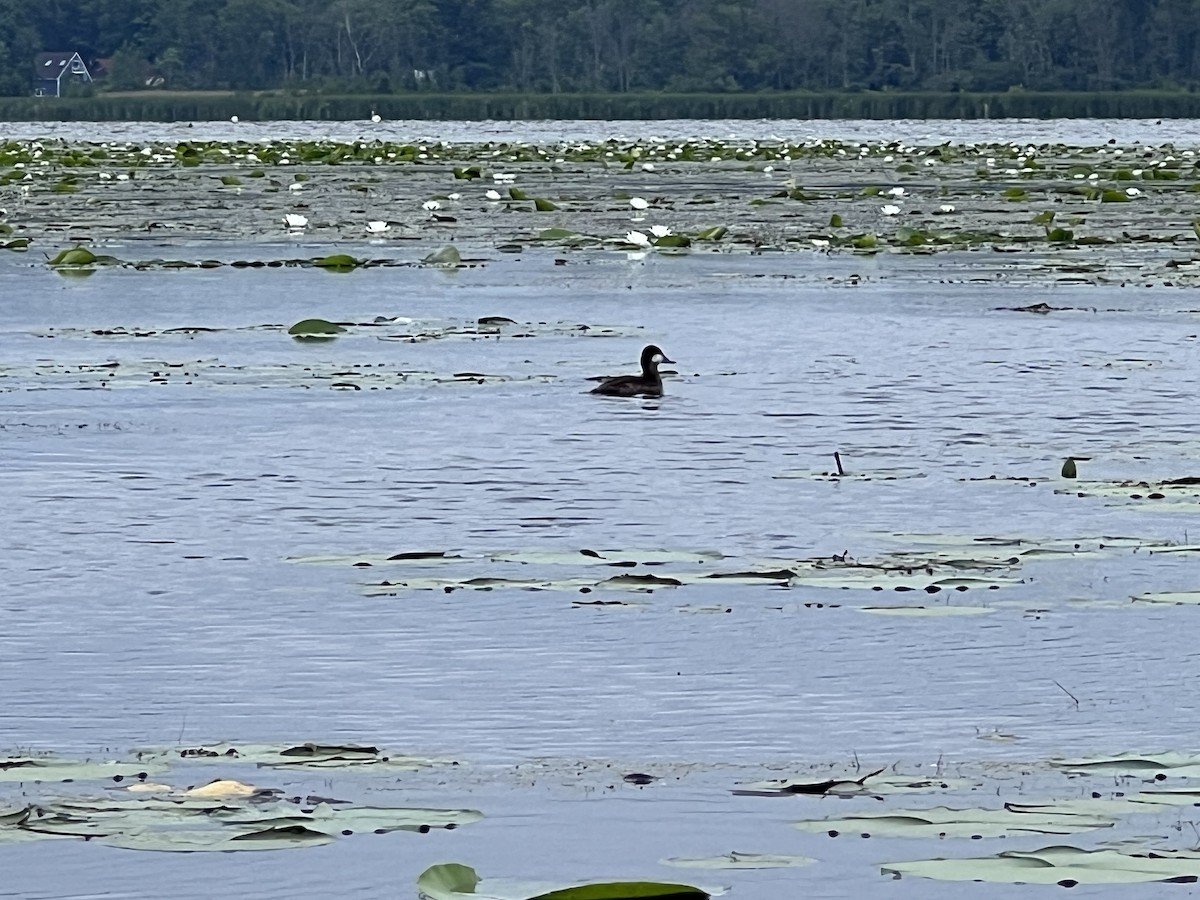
181 106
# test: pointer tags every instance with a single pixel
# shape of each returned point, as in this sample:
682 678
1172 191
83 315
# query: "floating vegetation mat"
138 812
945 565
1114 817
1093 215
587 570
201 355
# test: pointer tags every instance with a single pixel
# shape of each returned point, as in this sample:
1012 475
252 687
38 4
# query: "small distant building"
51 71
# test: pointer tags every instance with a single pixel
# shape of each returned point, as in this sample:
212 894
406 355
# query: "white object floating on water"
660 231
233 119
296 186
946 208
890 210
376 117
1133 192
639 238
638 203
819 242
431 205
492 195
647 167
503 177
896 191
455 196
295 220
377 227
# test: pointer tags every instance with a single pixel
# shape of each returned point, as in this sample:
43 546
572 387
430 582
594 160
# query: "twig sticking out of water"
837 458
1074 699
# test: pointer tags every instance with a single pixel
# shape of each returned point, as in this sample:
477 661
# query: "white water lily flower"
638 203
819 242
660 230
896 192
637 237
647 167
503 177
377 227
455 196
376 117
123 177
295 220
492 195
296 186
233 119
431 205
890 210
946 208
1133 192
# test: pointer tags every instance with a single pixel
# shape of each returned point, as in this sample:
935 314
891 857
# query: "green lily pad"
289 837
543 205
315 329
944 822
341 262
453 881
76 256
1067 866
37 768
448 256
1183 765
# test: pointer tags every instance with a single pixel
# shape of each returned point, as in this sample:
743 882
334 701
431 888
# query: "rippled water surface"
159 524
1074 132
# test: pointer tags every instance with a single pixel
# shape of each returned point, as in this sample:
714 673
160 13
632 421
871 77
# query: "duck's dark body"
648 384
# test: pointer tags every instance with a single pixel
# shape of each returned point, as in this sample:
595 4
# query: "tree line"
551 46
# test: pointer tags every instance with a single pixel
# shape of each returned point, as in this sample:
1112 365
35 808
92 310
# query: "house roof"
50 66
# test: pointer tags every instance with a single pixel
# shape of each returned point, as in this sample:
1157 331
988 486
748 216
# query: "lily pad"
944 822
453 881
315 329
448 256
340 262
1067 866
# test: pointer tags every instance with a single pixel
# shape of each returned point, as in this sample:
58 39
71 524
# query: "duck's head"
652 356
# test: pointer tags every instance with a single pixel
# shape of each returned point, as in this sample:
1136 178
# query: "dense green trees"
615 45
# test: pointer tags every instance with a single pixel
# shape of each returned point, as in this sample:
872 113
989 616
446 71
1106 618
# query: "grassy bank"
200 106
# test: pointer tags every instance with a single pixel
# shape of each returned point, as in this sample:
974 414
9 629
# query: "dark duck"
647 384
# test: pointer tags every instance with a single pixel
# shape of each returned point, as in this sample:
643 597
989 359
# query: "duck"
648 384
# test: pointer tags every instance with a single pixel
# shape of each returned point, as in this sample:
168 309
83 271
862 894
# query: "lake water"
1072 132
157 520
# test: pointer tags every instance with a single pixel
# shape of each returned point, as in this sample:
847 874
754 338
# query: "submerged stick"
1069 694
